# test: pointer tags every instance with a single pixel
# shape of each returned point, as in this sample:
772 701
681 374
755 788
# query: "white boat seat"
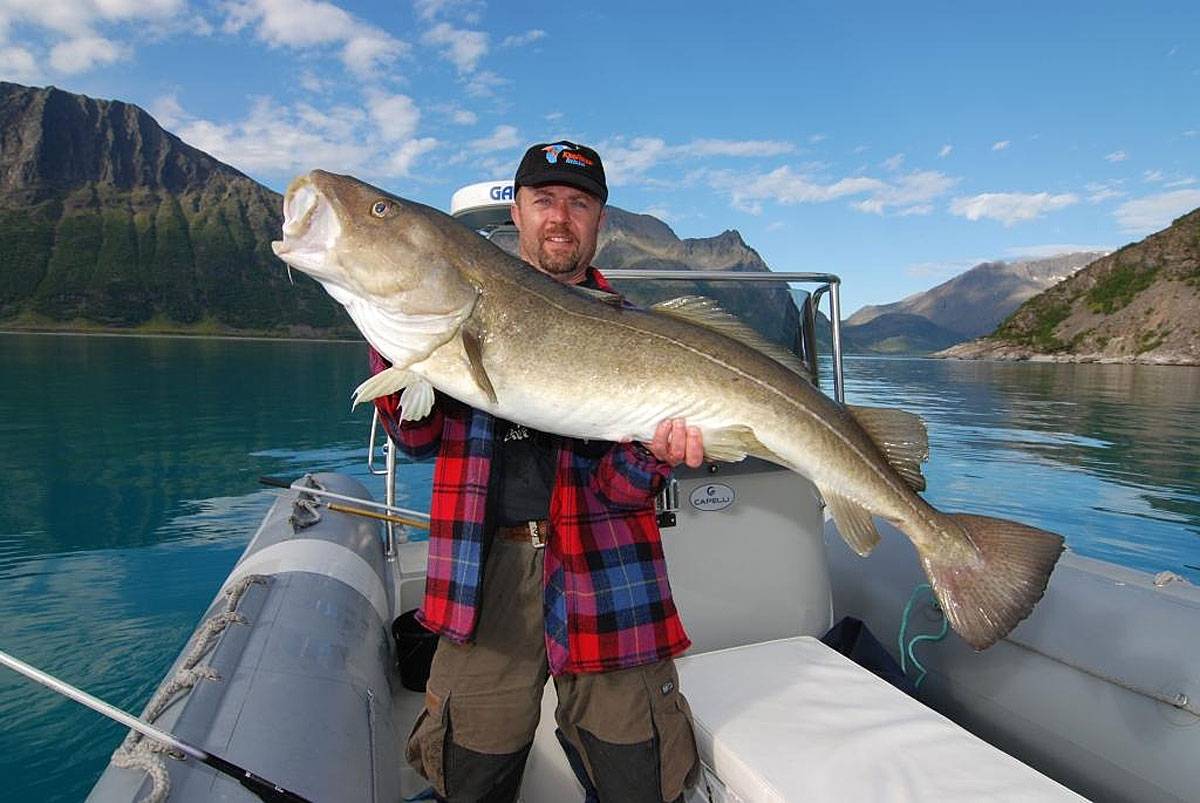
793 720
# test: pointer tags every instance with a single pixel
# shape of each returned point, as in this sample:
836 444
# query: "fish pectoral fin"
853 521
902 438
732 444
472 339
383 383
415 402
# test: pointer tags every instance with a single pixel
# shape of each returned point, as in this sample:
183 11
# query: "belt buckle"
536 537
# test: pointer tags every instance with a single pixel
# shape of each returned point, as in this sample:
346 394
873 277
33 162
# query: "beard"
559 261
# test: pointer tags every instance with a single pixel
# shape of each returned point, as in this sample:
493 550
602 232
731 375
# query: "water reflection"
1105 454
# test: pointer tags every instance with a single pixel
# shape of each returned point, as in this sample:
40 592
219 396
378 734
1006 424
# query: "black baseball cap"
563 162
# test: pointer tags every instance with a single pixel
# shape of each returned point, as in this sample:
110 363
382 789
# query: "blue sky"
895 144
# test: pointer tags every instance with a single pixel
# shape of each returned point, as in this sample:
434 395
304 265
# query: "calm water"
128 489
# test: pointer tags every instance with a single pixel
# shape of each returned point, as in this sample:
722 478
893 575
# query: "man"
545 559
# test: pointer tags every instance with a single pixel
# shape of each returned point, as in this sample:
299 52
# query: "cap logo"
563 153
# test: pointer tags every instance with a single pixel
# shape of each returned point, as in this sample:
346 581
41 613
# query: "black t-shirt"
523 467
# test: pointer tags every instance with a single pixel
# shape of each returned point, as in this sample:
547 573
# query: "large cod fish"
452 311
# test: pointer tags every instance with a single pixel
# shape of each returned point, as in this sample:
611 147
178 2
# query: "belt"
533 533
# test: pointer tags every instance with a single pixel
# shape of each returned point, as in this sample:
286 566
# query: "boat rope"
906 649
137 752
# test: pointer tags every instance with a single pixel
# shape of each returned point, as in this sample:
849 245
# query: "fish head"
389 261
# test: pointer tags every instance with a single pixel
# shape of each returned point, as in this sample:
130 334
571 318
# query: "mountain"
632 241
969 305
1138 304
108 221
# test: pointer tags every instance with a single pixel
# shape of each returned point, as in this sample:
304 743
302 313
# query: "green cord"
906 650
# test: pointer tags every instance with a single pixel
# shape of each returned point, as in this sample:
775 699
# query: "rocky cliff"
108 221
1138 304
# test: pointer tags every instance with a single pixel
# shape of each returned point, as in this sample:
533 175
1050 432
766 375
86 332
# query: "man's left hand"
675 442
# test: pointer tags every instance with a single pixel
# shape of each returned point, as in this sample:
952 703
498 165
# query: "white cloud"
395 116
460 47
1052 250
464 117
1010 207
726 147
303 24
18 64
1181 182
625 163
1154 212
1001 145
940 270
520 40
1117 156
1152 176
501 138
554 116
893 163
484 83
1099 191
945 151
402 161
909 194
814 139
312 82
83 53
429 10
167 111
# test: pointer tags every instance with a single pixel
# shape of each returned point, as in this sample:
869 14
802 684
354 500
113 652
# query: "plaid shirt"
607 603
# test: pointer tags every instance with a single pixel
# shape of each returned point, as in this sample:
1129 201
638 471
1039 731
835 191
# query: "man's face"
558 227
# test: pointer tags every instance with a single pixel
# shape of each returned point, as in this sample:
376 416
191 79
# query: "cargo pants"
628 733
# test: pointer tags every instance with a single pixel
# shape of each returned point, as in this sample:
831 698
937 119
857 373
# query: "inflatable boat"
296 671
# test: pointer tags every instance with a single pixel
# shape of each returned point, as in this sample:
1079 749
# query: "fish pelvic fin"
733 444
901 437
472 340
854 522
985 597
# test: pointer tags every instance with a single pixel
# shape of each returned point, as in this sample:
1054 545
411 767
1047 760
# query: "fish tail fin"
986 596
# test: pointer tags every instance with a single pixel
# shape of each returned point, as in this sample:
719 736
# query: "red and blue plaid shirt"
607 603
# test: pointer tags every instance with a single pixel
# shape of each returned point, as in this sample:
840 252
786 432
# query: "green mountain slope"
1138 304
108 221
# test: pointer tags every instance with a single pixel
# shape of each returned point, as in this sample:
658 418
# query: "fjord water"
129 471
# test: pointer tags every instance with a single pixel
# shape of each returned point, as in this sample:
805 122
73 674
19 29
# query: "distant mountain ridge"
968 305
1138 304
108 221
642 242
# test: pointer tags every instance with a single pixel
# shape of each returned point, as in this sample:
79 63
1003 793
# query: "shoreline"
188 335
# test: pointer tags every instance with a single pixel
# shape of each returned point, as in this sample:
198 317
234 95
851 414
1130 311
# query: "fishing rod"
261 787
412 518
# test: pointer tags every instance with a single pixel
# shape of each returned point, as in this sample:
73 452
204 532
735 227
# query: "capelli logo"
716 496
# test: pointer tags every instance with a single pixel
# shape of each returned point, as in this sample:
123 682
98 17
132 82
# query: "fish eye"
381 208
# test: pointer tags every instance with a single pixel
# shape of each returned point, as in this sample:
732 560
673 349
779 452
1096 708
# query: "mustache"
558 231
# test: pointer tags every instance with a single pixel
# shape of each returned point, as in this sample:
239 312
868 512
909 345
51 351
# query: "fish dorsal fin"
854 522
706 312
603 296
902 438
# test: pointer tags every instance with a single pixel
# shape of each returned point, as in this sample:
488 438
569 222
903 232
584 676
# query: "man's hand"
675 442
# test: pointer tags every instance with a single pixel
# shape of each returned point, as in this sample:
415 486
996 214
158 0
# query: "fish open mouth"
310 227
